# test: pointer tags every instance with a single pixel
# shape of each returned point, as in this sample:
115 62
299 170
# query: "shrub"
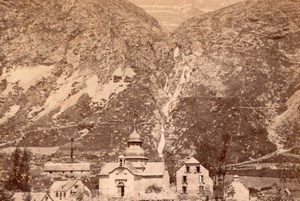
153 189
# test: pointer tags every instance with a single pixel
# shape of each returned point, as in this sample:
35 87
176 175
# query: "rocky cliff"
75 69
224 86
233 83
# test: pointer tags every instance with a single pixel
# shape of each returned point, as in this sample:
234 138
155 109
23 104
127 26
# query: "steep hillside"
171 13
233 76
75 68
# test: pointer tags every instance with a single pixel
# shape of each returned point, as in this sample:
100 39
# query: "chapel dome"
135 137
135 151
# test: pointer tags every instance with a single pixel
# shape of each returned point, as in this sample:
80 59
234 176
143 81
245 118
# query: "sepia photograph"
149 100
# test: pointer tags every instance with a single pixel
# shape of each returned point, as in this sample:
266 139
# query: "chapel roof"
151 169
135 137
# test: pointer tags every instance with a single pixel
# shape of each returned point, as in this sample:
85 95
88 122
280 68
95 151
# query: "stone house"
193 179
133 173
69 190
237 191
21 196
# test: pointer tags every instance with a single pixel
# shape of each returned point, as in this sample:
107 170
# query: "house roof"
151 169
192 160
63 186
154 169
19 196
67 167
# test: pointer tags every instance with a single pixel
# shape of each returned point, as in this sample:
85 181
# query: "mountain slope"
63 65
223 86
233 76
171 13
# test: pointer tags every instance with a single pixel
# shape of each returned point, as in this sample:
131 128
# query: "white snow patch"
26 77
101 92
72 100
61 97
124 72
12 112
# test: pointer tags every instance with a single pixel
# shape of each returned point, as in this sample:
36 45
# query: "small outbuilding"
237 191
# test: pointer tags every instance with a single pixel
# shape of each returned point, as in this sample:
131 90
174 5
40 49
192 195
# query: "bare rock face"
72 65
223 86
233 77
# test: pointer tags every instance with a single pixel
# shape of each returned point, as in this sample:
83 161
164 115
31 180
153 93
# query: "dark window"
56 194
184 179
184 189
64 194
201 189
50 172
187 168
198 168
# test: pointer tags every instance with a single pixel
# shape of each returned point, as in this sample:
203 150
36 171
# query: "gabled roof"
63 186
154 169
192 160
67 167
107 168
19 196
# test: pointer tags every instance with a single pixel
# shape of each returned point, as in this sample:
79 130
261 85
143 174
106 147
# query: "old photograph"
149 100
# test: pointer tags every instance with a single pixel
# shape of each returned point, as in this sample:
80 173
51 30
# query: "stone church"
133 173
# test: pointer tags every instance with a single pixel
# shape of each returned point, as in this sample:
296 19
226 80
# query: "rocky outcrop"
234 78
73 65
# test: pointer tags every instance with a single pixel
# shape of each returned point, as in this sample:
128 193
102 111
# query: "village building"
70 190
77 169
133 174
21 196
193 179
237 191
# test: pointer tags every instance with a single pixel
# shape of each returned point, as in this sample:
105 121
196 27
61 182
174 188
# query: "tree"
72 150
153 189
24 171
14 174
19 174
5 196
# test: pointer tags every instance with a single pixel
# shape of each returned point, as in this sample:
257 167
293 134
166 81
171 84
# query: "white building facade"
69 190
193 179
237 191
133 174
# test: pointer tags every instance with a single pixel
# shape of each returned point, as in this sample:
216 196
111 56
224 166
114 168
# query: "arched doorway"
121 189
